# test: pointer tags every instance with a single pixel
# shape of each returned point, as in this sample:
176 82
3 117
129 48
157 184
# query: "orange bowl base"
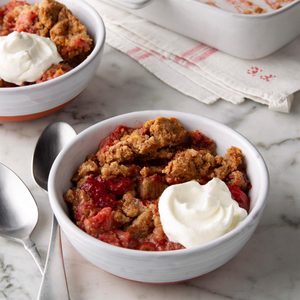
30 117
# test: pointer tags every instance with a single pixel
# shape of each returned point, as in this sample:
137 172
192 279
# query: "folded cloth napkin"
200 71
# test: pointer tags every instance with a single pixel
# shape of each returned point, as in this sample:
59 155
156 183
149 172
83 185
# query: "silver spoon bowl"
52 140
18 212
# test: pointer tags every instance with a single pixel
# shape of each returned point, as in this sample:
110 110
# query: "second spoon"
52 140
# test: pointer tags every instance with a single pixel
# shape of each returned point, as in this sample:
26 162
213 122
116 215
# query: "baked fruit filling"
116 190
53 20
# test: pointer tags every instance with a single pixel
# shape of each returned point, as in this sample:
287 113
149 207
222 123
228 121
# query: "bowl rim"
79 233
100 35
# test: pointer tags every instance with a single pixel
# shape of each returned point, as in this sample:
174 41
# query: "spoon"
18 212
52 140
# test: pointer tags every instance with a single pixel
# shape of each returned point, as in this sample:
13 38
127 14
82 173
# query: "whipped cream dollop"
193 215
24 57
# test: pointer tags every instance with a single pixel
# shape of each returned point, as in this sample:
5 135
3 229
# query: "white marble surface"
268 266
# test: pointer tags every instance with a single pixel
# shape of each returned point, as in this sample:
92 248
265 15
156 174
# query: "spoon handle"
54 282
30 246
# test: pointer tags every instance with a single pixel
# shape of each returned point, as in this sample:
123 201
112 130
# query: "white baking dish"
244 36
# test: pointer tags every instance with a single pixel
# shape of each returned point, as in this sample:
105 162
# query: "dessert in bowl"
159 187
50 51
174 261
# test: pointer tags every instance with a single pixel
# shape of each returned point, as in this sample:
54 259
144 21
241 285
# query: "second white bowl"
157 267
37 100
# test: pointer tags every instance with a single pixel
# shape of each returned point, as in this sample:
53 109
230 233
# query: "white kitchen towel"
200 71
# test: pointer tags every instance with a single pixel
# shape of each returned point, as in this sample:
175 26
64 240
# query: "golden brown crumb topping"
53 20
116 191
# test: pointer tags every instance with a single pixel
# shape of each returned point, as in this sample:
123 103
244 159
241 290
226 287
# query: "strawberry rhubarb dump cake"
139 175
39 42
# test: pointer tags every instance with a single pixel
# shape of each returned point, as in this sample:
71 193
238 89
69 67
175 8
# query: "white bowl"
37 100
157 267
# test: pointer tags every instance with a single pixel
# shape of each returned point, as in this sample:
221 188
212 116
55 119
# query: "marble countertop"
267 267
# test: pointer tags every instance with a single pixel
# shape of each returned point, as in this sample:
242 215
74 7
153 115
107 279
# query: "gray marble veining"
268 266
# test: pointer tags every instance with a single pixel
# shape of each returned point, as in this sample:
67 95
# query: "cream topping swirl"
193 215
24 57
